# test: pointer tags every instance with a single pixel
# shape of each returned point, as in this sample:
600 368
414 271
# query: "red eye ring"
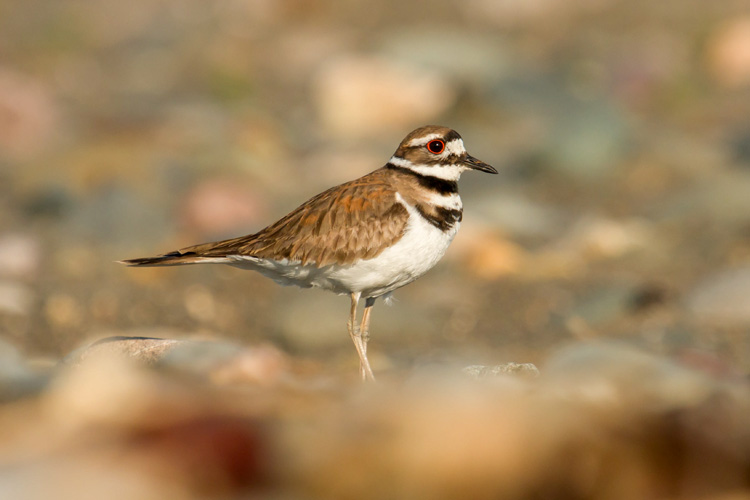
436 146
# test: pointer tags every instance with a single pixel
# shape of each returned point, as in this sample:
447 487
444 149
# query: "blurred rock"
602 421
48 201
740 146
728 52
357 96
511 13
15 298
515 369
315 321
157 427
220 361
517 215
200 303
474 59
623 376
17 378
19 255
720 200
115 215
722 298
28 114
64 310
227 363
594 237
147 350
487 254
584 138
598 307
221 206
589 141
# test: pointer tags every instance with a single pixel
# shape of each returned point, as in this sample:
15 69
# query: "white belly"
418 250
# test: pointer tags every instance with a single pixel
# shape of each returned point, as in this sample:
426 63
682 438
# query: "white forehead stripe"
421 141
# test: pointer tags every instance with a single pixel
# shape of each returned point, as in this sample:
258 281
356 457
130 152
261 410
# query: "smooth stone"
604 304
463 56
17 379
616 374
16 298
583 138
722 298
722 198
357 96
516 369
148 350
20 255
516 214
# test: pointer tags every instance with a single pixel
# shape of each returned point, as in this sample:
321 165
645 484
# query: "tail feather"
170 259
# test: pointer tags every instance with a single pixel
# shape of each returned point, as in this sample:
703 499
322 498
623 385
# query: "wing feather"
347 223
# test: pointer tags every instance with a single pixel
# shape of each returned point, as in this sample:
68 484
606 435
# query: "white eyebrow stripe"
421 141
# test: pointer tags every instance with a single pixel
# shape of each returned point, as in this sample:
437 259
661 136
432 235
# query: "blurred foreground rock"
217 360
600 422
521 369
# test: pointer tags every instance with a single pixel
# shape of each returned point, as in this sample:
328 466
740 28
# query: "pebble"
313 322
17 378
487 254
599 306
15 298
600 237
719 199
115 216
722 298
624 376
470 58
589 140
357 96
217 360
223 206
20 255
728 52
583 138
28 113
515 214
147 350
516 369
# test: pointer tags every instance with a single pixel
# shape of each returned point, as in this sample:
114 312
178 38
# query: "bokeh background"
612 250
621 131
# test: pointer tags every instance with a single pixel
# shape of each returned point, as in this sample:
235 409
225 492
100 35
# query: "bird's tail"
170 259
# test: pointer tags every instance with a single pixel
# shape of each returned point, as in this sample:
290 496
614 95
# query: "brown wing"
353 221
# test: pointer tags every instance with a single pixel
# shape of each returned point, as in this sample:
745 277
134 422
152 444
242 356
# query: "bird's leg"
364 332
354 333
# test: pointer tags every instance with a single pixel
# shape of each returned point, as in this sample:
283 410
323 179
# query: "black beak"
475 164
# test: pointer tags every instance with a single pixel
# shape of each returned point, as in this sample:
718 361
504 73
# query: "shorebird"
364 238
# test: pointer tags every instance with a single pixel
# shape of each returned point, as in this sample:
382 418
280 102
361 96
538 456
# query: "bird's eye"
436 147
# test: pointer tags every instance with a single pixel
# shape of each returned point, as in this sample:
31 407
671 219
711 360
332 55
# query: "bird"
364 238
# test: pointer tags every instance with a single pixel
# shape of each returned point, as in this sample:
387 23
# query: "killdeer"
364 238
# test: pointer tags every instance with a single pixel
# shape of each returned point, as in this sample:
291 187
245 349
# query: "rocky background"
612 251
